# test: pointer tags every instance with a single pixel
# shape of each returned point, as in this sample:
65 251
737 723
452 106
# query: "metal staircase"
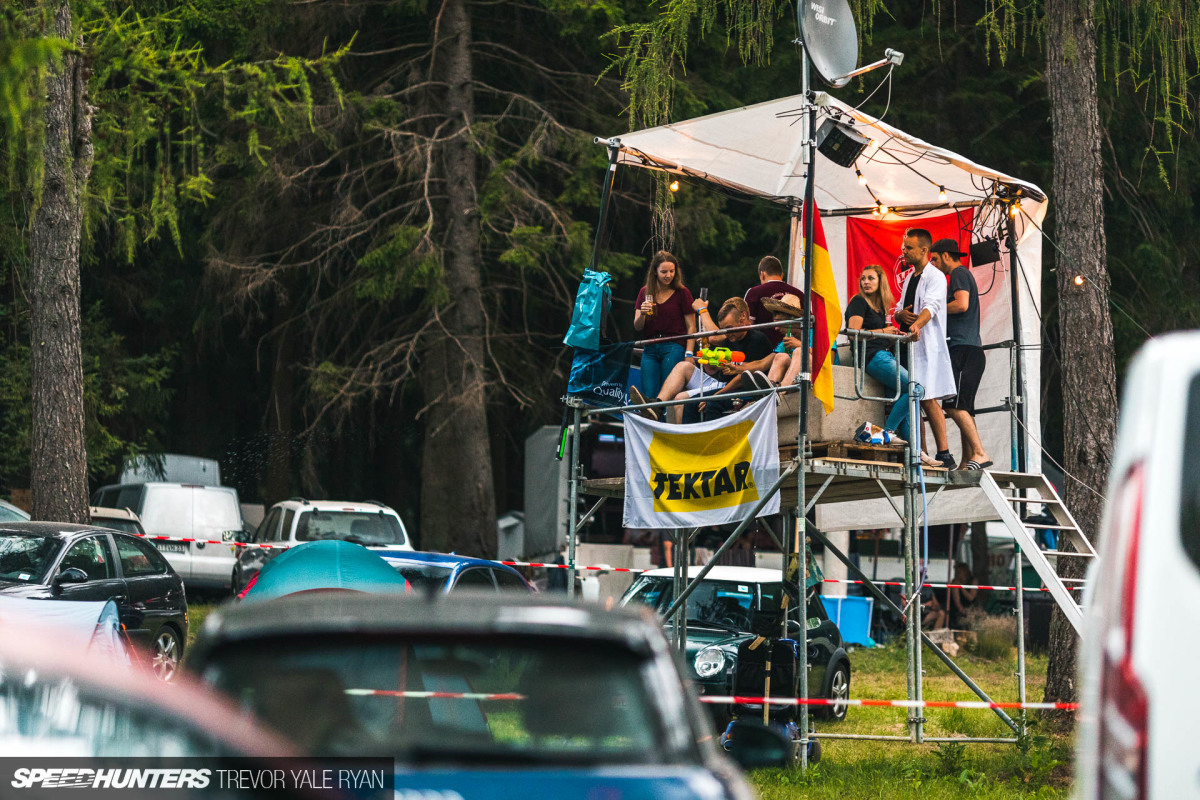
1012 494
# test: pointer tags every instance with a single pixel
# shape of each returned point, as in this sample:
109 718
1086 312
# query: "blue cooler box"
852 615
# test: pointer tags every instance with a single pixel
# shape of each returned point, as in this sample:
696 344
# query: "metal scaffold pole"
572 529
912 564
810 120
1020 611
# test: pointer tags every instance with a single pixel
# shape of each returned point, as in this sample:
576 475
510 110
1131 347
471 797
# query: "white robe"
931 355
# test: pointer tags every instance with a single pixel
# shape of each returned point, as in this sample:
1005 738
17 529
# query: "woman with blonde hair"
663 308
867 311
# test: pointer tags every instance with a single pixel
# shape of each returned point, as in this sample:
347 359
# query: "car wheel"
166 653
839 689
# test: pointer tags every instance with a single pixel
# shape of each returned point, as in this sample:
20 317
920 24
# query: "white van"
1140 699
190 511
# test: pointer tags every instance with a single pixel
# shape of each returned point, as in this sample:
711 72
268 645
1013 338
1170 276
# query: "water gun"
720 356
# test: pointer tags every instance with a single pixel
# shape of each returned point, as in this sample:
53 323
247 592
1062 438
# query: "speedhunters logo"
84 778
154 778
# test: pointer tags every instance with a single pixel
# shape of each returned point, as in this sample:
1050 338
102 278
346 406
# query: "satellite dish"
829 37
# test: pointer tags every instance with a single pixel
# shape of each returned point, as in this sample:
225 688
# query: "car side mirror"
70 575
752 745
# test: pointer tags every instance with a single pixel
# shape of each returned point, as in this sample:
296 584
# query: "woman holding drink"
663 308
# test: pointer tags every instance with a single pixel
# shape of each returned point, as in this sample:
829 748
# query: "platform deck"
853 479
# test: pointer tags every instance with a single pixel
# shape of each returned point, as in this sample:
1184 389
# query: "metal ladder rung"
1071 553
1040 526
1043 500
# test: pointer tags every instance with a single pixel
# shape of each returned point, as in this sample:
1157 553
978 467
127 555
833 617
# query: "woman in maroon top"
663 308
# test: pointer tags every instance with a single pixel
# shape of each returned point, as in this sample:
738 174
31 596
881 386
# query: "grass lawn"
897 771
197 613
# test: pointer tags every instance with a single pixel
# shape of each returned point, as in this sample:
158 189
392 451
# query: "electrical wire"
1050 458
1071 262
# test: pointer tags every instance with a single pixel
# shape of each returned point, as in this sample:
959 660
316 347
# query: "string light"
1078 280
880 209
1015 208
674 187
942 193
862 179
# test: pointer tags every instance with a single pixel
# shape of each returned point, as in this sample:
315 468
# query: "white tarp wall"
758 150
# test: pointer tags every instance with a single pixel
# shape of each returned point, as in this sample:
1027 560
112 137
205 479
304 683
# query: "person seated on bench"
960 600
867 311
687 380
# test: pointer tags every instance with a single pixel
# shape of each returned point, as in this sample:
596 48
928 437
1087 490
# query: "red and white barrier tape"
742 700
159 538
435 695
605 568
953 585
824 701
601 568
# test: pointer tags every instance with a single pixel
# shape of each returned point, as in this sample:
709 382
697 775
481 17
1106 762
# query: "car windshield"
431 699
726 604
25 557
423 576
113 524
361 527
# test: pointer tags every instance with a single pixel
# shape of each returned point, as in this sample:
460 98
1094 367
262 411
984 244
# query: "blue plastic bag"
591 304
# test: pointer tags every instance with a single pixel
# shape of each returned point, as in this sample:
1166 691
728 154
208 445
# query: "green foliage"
125 398
951 758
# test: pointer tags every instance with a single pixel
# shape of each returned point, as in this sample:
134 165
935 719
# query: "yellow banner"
702 471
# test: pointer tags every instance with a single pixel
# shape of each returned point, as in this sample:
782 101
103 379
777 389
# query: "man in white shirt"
922 313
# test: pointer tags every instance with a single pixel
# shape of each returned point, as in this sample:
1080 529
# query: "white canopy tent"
759 151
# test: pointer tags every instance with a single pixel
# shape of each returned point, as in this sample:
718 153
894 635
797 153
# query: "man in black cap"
967 358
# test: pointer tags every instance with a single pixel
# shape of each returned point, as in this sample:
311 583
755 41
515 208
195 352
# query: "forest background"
278 274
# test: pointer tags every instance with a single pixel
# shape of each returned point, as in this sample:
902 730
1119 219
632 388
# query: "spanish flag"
826 315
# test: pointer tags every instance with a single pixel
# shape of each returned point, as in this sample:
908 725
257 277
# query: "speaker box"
985 252
840 143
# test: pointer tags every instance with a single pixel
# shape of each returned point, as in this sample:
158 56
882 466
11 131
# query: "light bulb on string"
1078 280
1015 208
674 187
862 179
942 193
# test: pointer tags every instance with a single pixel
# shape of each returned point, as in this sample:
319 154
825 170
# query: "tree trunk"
457 495
281 434
1088 372
58 459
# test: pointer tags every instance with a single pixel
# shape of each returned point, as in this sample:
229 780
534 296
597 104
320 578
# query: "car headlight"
709 661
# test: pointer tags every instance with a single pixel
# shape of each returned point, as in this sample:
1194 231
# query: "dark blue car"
449 573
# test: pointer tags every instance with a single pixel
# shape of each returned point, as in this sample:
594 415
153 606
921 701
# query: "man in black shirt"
967 358
689 379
